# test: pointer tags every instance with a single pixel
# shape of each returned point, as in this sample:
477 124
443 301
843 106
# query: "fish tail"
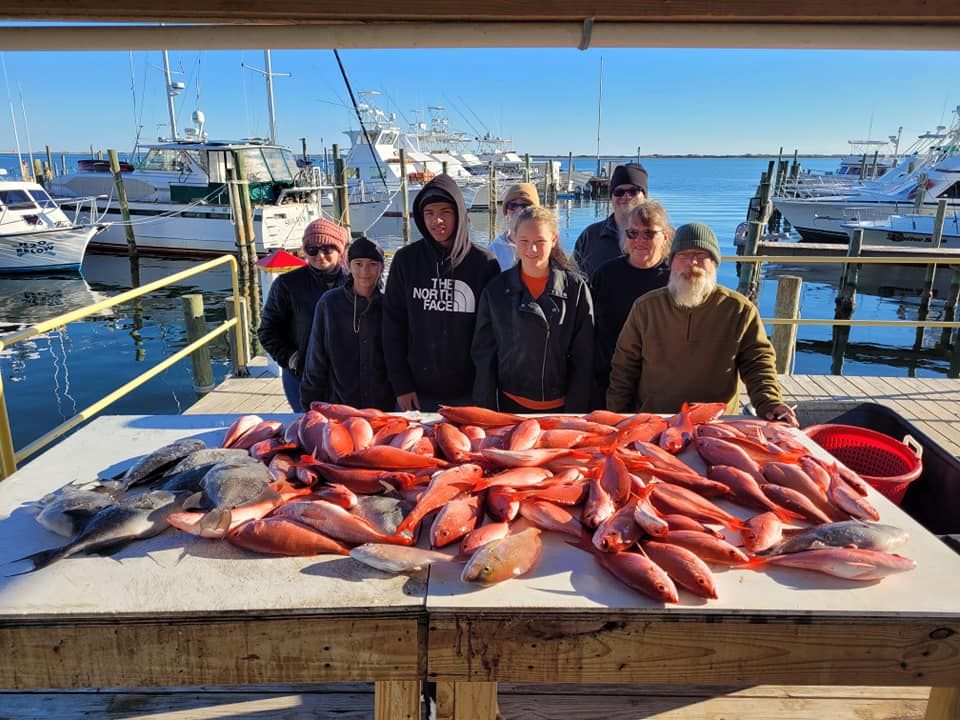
39 559
213 524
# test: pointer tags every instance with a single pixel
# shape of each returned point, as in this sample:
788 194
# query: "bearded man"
693 341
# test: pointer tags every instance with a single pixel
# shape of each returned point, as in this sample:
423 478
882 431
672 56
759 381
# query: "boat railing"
9 457
78 203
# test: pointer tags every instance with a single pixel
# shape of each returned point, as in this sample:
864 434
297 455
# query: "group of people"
633 321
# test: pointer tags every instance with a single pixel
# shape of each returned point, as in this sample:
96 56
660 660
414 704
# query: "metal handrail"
9 457
846 260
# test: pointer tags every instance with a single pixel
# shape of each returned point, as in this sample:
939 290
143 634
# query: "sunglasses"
511 206
647 234
629 192
313 250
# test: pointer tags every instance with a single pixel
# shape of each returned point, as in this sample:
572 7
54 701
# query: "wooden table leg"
397 700
466 701
944 704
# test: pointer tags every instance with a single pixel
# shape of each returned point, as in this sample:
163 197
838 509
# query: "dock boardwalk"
931 404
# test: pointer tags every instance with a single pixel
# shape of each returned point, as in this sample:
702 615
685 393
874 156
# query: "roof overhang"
823 24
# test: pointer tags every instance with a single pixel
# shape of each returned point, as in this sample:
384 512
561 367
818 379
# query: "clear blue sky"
664 101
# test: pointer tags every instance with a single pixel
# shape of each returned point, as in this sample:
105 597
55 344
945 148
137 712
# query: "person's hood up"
444 189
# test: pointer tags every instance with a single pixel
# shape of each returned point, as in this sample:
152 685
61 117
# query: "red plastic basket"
887 464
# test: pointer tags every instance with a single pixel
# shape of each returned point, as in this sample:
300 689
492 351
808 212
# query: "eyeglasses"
629 192
511 206
648 234
693 257
313 250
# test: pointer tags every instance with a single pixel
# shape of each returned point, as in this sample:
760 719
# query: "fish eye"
486 570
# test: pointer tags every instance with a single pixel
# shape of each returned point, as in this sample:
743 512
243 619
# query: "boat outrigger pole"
171 94
366 135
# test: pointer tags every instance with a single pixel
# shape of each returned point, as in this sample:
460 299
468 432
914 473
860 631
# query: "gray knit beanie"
695 236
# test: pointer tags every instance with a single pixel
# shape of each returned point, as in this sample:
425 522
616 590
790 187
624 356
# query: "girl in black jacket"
344 362
533 344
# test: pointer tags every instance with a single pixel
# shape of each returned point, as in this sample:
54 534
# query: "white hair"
692 292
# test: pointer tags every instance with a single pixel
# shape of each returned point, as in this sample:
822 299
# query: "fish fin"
192 501
39 559
754 563
215 523
787 516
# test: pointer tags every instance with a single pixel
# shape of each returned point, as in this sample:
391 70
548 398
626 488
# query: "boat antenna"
26 128
171 94
13 115
268 76
366 135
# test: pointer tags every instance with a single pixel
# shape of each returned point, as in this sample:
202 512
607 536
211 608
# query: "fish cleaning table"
568 621
178 610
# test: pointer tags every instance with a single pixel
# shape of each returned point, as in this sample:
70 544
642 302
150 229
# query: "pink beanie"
326 232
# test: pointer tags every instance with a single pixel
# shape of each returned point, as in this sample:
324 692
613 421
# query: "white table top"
173 572
567 579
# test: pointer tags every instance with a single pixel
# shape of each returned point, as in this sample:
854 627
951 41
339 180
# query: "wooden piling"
526 167
38 171
921 192
570 172
239 359
950 311
253 277
750 272
196 328
132 252
405 196
444 167
49 168
63 163
492 201
340 173
845 303
784 337
926 295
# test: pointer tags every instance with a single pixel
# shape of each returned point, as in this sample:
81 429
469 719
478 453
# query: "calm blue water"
49 378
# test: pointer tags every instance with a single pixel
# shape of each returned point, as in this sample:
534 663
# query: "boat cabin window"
42 199
255 166
17 200
280 163
166 160
952 192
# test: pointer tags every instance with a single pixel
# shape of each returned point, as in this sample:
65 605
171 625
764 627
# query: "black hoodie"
429 309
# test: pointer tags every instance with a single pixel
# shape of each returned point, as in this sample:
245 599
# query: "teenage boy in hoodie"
430 303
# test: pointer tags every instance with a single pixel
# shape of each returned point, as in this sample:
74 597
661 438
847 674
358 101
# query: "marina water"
49 378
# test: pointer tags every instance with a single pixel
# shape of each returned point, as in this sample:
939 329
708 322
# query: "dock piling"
570 172
49 168
846 302
784 337
405 197
492 201
526 167
252 277
950 311
926 295
132 252
239 357
750 272
196 329
340 181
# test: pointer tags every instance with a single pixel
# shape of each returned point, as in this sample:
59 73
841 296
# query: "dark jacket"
614 288
288 313
597 244
539 349
429 309
344 359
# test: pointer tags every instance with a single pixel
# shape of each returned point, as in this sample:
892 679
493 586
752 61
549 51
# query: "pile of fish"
360 482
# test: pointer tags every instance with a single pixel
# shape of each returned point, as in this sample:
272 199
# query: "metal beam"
482 35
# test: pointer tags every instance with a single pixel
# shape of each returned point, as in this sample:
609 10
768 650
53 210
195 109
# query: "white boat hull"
43 250
909 231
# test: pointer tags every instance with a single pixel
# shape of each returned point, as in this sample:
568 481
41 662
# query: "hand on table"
408 401
782 413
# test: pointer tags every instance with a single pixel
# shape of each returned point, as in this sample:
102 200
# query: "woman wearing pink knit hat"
288 313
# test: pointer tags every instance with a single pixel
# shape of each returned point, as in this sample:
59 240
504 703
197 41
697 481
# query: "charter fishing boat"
179 200
908 230
35 233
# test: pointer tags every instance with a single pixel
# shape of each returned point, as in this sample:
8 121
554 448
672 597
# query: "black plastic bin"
933 499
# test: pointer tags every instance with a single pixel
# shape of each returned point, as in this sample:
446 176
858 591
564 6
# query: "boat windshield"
166 160
266 164
43 200
16 200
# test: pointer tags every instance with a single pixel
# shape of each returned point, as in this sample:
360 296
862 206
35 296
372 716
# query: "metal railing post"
8 460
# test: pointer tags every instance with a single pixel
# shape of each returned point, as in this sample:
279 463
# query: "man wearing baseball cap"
600 242
693 341
288 313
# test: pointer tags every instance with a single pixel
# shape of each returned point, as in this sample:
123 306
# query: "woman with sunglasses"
645 242
288 313
518 197
533 344
600 241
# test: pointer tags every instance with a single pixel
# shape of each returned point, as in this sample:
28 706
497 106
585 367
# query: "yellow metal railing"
847 260
9 457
